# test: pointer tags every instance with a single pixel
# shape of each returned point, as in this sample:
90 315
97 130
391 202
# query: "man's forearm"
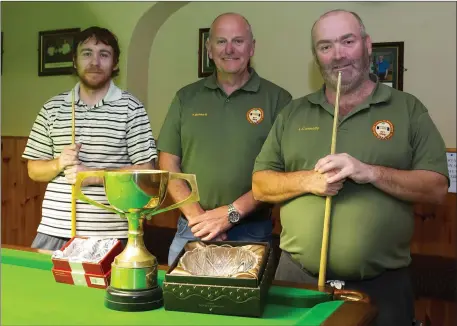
246 204
276 187
99 181
179 190
144 166
413 186
43 170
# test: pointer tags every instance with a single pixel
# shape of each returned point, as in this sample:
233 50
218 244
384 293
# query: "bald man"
215 128
389 155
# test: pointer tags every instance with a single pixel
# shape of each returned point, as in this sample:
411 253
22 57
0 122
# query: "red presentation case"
95 275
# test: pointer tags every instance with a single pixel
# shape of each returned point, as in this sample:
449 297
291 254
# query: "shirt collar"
114 94
381 93
252 85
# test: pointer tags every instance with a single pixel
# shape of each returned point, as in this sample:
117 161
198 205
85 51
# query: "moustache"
94 70
337 64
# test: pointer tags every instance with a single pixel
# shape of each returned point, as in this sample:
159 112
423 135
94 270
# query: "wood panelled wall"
435 226
21 197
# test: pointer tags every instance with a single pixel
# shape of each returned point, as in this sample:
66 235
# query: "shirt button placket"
85 125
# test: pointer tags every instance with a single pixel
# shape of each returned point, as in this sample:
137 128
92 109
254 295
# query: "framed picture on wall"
205 64
387 63
55 52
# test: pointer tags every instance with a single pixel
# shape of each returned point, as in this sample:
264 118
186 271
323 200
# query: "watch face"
234 217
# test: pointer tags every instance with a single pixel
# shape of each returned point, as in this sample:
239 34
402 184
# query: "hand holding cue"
73 200
328 200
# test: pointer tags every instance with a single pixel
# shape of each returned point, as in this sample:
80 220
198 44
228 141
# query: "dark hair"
101 35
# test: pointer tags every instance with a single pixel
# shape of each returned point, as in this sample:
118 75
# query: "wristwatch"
233 215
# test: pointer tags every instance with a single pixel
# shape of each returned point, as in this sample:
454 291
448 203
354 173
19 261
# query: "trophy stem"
136 230
134 284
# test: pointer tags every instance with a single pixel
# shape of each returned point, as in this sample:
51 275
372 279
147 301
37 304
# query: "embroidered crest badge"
383 129
255 116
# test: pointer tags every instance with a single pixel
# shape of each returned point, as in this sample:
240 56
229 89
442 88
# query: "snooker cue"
328 200
73 200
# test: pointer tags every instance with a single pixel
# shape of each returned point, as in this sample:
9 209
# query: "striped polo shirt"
114 133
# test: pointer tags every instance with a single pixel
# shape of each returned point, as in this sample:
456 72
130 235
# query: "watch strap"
231 208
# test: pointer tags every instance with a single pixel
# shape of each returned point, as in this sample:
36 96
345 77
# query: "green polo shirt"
218 137
370 230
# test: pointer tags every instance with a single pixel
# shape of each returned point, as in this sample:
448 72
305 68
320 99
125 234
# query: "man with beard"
112 131
215 128
389 155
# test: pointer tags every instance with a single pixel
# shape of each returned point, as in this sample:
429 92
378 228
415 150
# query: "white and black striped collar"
114 94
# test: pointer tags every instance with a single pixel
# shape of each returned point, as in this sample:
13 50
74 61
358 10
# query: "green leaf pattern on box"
211 293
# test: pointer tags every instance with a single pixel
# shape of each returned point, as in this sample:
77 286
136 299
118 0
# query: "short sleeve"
270 156
39 144
170 135
429 150
141 145
284 99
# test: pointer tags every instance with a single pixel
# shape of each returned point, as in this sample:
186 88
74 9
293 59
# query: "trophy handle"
80 195
193 197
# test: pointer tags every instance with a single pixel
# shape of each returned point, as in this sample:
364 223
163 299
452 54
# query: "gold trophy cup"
135 195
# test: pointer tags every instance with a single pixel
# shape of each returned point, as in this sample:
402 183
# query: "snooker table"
31 296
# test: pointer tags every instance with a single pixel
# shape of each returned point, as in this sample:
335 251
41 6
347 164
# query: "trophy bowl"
135 195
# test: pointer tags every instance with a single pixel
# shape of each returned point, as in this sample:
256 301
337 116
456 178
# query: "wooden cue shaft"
73 200
328 200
